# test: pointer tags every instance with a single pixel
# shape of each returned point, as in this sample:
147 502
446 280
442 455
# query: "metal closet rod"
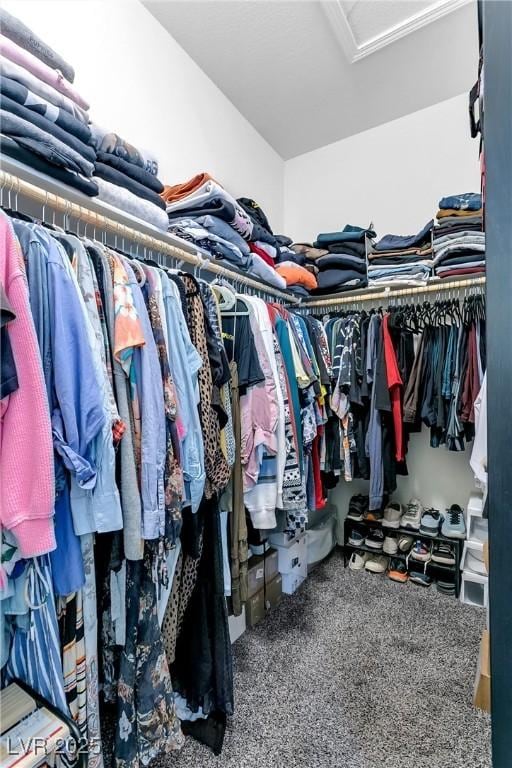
98 221
353 298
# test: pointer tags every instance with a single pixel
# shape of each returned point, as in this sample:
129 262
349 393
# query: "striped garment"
35 652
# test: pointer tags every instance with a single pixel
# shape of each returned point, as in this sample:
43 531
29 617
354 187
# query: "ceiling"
307 73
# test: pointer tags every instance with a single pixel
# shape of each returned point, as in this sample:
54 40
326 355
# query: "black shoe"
443 553
374 539
357 507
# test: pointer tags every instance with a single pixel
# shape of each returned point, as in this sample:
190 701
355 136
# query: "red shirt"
394 381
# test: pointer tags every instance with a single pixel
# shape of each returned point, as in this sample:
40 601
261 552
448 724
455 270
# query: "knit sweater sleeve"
26 453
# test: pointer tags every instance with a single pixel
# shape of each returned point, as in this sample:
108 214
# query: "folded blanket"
39 69
10 148
19 33
104 140
467 201
109 173
126 201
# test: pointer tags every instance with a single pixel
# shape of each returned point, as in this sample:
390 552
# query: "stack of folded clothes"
203 212
340 258
459 242
404 260
43 119
127 177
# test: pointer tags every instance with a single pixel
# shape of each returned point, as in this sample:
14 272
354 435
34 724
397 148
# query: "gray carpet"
355 671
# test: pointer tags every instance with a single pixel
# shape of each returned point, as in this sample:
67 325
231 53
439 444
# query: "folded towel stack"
459 240
402 259
43 118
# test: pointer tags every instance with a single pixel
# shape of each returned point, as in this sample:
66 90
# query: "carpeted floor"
355 671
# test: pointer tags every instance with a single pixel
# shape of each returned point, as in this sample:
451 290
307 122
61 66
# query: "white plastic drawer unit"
293 558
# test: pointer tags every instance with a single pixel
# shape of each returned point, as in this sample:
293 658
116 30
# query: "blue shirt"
185 362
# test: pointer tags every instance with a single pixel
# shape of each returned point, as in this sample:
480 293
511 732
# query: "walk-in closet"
255 382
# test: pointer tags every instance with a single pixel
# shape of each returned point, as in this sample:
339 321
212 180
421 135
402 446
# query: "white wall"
394 176
142 85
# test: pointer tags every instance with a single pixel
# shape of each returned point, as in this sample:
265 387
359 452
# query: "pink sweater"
26 447
50 76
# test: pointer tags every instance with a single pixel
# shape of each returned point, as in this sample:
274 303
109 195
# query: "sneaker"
374 515
430 522
377 563
454 526
397 570
356 538
357 560
412 516
420 551
419 577
393 514
390 546
445 587
357 507
405 542
443 553
374 539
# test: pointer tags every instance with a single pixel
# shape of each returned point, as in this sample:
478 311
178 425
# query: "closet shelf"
22 181
436 285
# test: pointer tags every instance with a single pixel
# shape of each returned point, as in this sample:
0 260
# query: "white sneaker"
390 546
358 560
377 564
412 516
392 515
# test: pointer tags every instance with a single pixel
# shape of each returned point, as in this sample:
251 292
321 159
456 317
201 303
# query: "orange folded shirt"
294 274
178 191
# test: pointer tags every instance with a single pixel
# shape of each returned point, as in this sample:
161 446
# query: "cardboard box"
273 592
482 695
262 569
264 600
